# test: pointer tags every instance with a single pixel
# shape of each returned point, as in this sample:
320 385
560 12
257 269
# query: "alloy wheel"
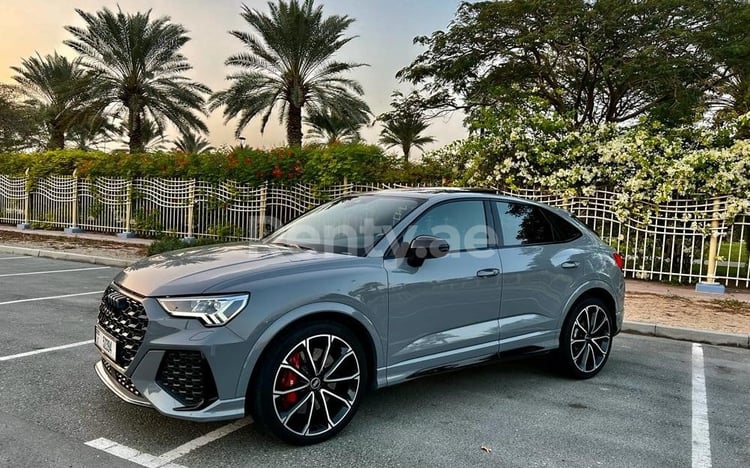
316 385
590 338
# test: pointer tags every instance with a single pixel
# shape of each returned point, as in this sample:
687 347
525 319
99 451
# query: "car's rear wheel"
586 339
310 383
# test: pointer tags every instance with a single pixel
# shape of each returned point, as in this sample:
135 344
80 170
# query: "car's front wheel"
586 339
310 383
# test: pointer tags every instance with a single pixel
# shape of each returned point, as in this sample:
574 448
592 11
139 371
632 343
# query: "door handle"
488 272
570 264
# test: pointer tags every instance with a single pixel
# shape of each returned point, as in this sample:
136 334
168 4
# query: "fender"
292 316
580 291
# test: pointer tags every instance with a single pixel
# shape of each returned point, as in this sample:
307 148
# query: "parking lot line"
45 350
52 271
188 447
701 439
126 453
15 258
165 460
48 298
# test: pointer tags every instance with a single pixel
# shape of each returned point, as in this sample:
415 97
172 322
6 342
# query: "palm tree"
403 126
191 143
94 130
289 64
60 91
333 127
140 70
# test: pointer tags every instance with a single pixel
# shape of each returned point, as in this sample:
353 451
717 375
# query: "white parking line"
45 350
701 438
52 271
165 461
48 298
14 258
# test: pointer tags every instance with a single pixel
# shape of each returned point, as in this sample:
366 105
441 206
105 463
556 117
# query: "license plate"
105 343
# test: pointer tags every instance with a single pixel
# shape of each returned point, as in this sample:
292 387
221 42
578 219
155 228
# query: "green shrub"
314 164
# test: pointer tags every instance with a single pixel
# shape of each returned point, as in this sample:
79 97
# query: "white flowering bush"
644 166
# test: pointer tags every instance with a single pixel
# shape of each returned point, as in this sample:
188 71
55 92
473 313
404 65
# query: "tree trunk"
294 125
135 131
56 138
406 148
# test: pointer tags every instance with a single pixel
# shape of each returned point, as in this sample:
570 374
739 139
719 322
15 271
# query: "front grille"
187 377
125 319
121 379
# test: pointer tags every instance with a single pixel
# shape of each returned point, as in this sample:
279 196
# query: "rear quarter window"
565 231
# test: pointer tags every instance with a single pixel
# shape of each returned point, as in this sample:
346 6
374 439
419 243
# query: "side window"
566 232
462 223
522 224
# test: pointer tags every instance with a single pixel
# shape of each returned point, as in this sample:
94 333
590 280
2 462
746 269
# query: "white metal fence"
671 247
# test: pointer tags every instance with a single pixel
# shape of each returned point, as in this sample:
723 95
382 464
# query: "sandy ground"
644 301
723 315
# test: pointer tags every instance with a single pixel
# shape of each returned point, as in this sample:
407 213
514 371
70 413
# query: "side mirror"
422 248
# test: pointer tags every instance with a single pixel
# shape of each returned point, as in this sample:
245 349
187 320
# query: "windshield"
349 225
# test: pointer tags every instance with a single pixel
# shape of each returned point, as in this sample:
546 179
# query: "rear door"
542 264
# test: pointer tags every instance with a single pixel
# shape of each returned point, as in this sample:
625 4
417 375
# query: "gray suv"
363 292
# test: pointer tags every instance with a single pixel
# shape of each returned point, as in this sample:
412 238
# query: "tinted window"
522 224
348 225
566 232
462 224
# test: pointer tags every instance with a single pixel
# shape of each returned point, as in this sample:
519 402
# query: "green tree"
289 64
403 126
332 127
140 70
60 91
592 61
191 143
729 44
20 125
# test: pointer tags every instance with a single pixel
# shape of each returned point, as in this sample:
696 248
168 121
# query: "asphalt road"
637 412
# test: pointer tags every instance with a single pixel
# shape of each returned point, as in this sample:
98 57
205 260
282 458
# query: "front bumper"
179 368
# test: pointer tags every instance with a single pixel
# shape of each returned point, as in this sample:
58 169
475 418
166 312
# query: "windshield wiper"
296 246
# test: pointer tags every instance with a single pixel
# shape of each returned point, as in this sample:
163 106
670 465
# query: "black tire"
310 383
586 338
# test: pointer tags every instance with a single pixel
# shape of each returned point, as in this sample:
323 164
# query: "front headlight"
213 311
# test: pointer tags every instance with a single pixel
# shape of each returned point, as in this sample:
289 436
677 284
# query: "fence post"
128 234
263 204
711 286
73 228
191 213
26 224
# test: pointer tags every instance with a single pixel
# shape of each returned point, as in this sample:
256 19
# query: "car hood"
196 270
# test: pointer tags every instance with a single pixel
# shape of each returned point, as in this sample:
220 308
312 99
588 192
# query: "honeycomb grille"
123 380
125 319
187 377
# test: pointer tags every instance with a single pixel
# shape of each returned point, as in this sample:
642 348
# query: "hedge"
357 163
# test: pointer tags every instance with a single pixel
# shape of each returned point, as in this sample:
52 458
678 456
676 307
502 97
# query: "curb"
635 328
106 261
687 334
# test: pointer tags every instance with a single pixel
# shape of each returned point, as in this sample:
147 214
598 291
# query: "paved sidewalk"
83 236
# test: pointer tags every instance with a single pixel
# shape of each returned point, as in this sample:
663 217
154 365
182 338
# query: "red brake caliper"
289 380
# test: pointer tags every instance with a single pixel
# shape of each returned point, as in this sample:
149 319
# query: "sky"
385 30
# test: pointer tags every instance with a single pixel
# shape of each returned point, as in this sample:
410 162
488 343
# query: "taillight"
619 260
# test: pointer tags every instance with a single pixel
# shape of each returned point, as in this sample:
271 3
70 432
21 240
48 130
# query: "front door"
446 310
